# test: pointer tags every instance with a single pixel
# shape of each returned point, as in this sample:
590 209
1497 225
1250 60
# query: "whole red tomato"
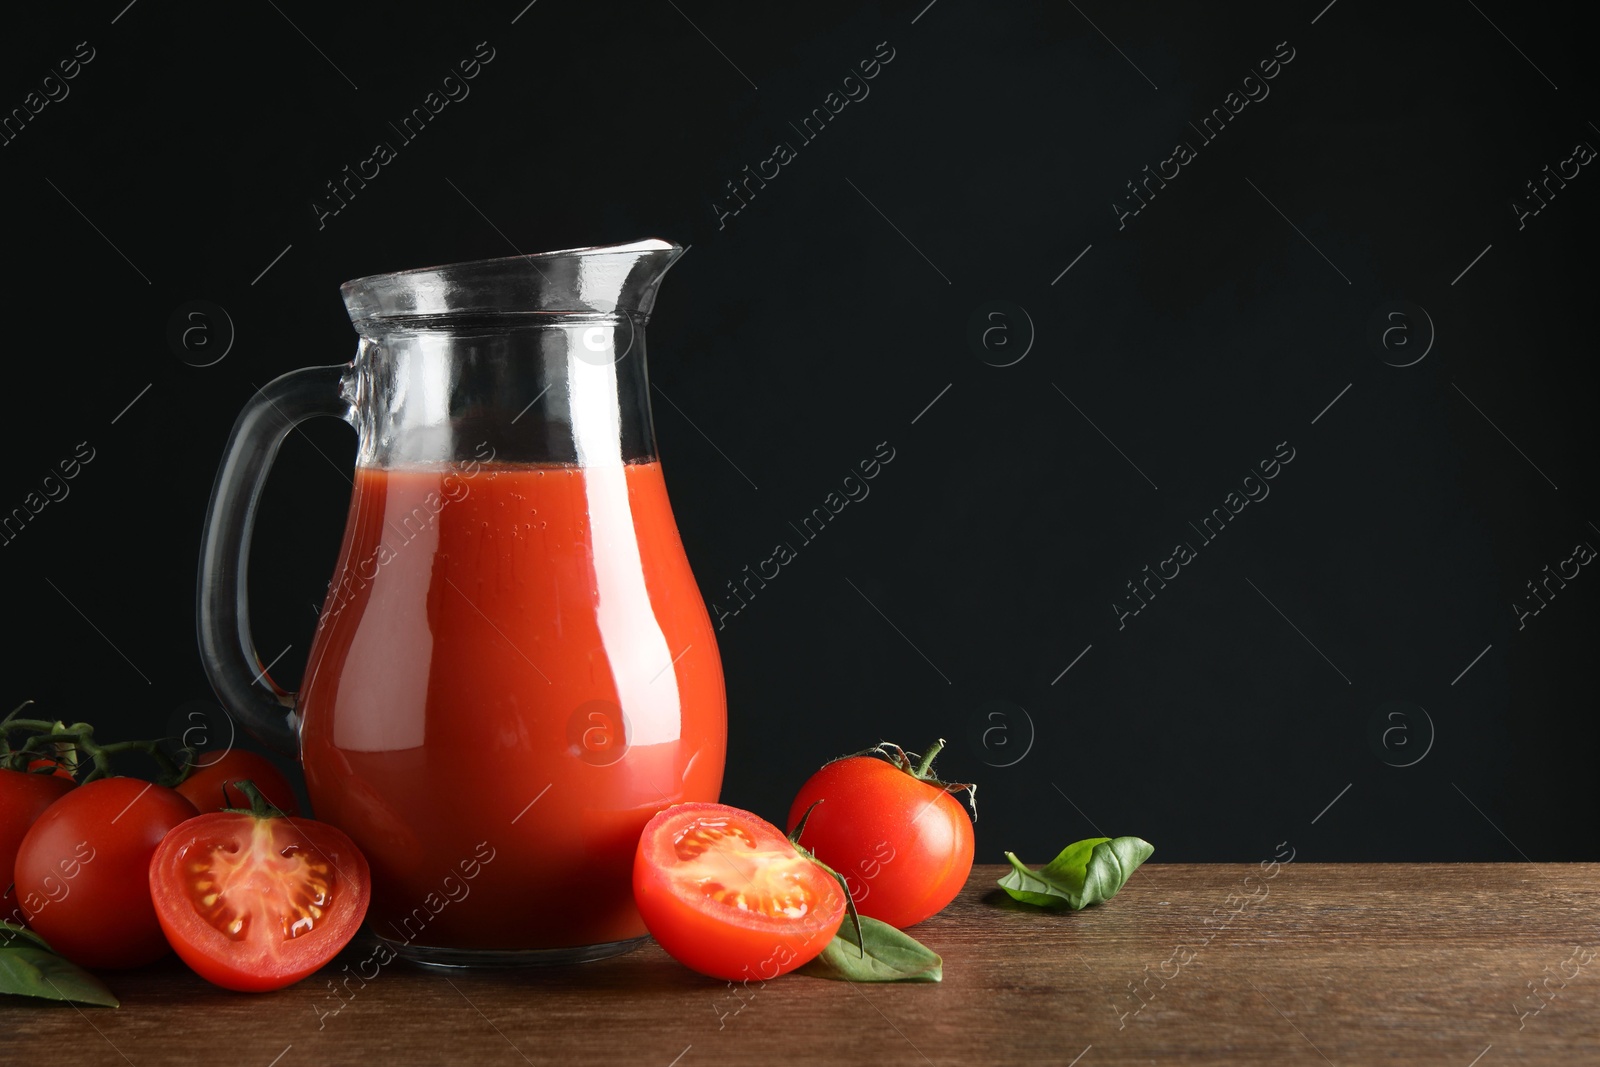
900 839
256 902
24 796
204 787
83 871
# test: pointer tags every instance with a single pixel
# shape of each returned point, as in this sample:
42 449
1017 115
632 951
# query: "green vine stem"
74 746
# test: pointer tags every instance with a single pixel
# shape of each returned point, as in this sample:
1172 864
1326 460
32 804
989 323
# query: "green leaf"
1060 881
889 956
1086 872
14 936
33 972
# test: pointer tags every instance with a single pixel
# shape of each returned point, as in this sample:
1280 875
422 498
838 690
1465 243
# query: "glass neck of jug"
526 359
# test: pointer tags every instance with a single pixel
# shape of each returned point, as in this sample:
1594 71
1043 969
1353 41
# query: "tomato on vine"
24 796
81 871
81 852
33 775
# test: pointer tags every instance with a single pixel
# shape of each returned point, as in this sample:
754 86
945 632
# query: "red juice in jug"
513 672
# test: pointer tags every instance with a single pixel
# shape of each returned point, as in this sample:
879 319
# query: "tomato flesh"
903 846
257 890
726 894
722 862
258 903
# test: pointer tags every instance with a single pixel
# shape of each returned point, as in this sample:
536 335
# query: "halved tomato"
725 893
255 902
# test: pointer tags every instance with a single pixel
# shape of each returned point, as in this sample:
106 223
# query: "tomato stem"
925 768
922 770
849 898
260 806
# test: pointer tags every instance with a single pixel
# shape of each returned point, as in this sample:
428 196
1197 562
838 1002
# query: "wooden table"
1320 963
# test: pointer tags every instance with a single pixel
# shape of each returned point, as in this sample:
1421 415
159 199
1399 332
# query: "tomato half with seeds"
254 902
726 894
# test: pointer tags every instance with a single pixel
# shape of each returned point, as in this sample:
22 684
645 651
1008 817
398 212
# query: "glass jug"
513 669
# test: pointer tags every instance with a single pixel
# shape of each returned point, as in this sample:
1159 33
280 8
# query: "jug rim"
608 279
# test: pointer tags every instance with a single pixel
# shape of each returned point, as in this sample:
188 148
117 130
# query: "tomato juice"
514 671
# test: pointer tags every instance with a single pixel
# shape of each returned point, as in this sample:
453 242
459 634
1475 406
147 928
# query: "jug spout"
607 279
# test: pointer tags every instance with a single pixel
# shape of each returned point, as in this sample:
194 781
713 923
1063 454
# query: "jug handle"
227 650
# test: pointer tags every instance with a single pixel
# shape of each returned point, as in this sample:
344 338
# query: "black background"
823 319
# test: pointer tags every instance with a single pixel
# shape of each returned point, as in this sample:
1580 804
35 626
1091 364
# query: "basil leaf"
1086 872
14 936
890 956
1057 882
33 972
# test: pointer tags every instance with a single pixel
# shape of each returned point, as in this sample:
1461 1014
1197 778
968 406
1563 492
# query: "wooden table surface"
1471 965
